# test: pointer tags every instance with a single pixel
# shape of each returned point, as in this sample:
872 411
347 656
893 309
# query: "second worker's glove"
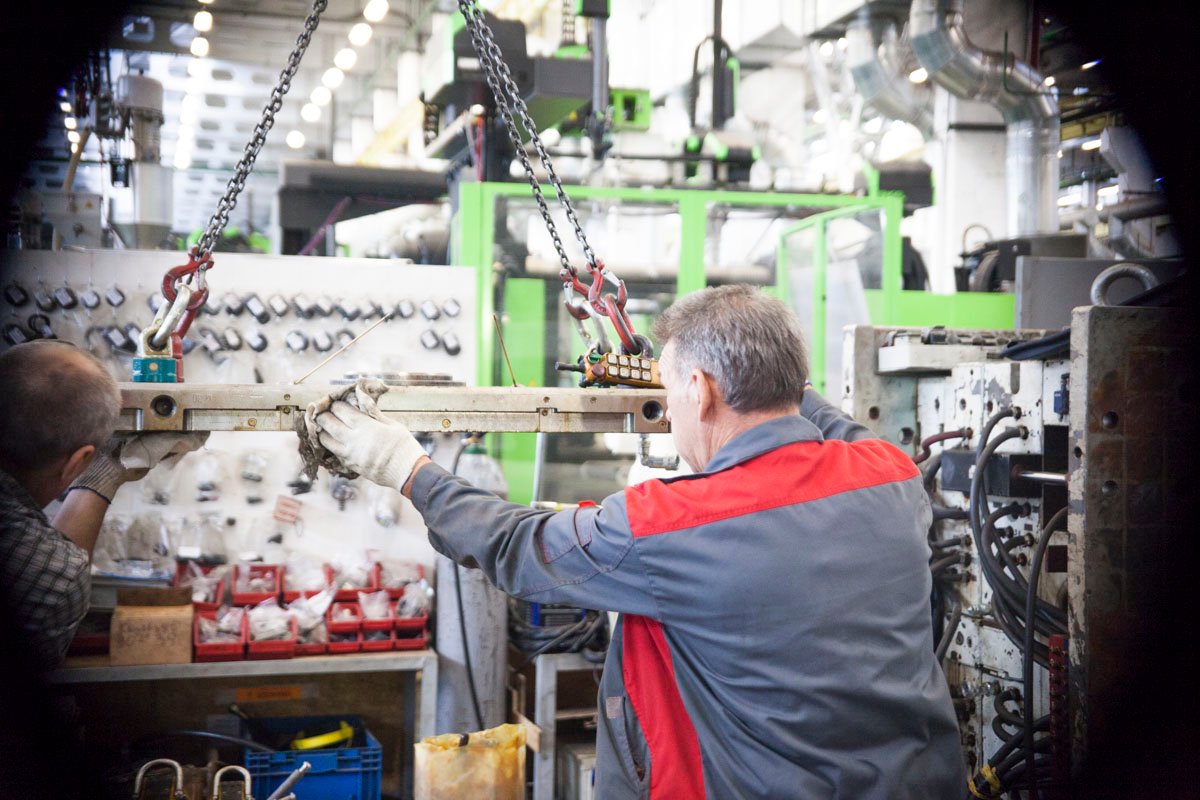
379 449
129 457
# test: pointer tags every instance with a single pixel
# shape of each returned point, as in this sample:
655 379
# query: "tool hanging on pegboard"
160 346
583 302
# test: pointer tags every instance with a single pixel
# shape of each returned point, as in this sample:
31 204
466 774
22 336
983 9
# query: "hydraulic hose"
952 628
1027 655
462 618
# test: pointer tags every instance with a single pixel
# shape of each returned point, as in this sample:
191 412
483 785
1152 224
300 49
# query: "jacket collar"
763 438
10 488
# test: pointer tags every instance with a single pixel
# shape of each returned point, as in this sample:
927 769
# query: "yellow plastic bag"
485 765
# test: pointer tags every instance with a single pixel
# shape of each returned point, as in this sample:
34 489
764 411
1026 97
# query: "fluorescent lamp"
295 140
1069 200
72 136
375 10
1090 64
1090 144
360 34
919 75
65 106
1108 191
345 59
333 77
69 123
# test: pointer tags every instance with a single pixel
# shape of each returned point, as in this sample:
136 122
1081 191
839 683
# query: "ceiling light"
199 47
826 49
841 43
321 96
295 140
345 59
873 125
1108 191
194 68
1068 200
919 75
183 159
360 34
1099 206
206 2
375 10
72 136
1090 144
333 77
69 123
1090 64
74 147
202 21
65 106
310 112
820 115
1049 81
1060 153
186 133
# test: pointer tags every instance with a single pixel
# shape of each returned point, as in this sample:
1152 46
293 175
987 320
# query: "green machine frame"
473 238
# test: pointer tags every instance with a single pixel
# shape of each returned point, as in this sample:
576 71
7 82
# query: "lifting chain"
200 256
581 300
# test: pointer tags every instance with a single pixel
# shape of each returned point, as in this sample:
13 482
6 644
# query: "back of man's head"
54 399
748 341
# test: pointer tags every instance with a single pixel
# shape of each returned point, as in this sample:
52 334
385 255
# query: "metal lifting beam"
429 409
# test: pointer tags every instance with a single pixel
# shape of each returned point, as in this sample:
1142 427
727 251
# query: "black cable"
1027 656
462 617
209 735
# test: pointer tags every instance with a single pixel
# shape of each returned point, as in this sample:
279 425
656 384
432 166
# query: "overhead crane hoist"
603 300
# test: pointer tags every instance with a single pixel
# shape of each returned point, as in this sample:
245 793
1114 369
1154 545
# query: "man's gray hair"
54 399
748 341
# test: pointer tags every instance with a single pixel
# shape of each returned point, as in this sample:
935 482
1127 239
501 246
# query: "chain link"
245 166
512 108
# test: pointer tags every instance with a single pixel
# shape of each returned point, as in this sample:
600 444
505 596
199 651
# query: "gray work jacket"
775 639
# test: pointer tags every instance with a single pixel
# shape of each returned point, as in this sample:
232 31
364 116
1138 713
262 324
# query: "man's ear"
706 394
76 463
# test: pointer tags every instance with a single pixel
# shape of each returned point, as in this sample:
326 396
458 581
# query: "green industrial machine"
835 258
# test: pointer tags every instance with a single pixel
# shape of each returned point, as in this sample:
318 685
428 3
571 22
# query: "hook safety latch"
175 277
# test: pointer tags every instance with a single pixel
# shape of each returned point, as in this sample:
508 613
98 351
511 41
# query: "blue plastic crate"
342 773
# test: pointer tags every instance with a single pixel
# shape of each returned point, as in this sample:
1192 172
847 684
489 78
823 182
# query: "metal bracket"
441 409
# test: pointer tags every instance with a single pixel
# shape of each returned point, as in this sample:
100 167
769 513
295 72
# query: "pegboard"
205 500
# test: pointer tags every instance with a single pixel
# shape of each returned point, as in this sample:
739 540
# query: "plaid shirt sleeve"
44 577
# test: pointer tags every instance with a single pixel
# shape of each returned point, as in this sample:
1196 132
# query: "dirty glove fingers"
328 423
348 414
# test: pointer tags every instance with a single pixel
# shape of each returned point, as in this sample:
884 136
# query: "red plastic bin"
311 648
257 571
183 570
347 595
409 641
216 651
396 592
273 648
353 645
383 624
343 626
290 595
409 624
379 645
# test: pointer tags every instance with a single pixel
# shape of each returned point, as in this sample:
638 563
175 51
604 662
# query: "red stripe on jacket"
675 771
795 473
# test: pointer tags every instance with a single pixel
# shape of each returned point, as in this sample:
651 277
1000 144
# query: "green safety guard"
154 369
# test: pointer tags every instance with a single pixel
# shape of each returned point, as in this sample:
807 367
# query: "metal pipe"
539 464
1125 210
290 781
718 76
881 88
1045 478
599 82
1015 89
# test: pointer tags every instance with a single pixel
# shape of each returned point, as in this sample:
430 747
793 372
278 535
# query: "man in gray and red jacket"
774 638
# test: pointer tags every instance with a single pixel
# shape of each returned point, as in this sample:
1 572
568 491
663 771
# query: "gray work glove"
129 457
379 449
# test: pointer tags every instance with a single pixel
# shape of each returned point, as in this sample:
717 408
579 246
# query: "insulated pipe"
1029 110
880 86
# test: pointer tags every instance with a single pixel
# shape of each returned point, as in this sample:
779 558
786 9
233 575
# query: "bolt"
252 422
445 423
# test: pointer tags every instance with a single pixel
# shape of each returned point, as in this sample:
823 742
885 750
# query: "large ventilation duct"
1030 111
877 79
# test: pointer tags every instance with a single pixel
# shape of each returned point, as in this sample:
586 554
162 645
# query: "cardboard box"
151 626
